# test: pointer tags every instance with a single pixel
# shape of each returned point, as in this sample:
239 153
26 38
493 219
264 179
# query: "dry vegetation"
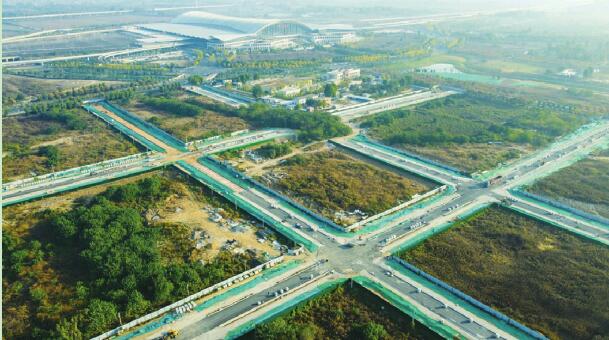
13 85
206 124
333 183
583 185
345 312
25 140
540 275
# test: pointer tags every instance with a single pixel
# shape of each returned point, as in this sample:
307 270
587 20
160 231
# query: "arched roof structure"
245 26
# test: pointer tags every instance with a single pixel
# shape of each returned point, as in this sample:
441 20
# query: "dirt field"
24 137
13 85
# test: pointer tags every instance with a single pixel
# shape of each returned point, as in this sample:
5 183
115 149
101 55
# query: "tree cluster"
113 255
310 125
274 150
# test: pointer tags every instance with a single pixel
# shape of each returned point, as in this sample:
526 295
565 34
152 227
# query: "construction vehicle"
171 334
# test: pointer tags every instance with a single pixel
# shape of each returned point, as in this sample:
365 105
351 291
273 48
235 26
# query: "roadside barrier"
284 307
126 131
518 191
144 125
230 94
216 287
391 214
366 140
532 333
407 308
241 203
435 230
249 181
78 171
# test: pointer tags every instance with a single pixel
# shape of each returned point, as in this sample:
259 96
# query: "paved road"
406 163
354 259
215 96
90 55
255 299
82 179
396 102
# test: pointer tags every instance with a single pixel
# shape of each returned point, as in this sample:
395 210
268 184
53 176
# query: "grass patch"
348 311
542 276
335 184
583 185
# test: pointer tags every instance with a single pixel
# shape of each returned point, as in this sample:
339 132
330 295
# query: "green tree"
330 90
195 79
308 332
374 331
257 91
136 305
68 328
99 316
51 152
162 288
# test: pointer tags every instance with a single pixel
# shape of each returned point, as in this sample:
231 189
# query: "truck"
493 181
170 334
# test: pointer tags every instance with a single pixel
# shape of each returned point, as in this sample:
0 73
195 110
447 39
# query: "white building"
289 91
336 76
223 32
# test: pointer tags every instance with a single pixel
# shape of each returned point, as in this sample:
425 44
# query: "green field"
542 276
348 311
475 131
331 183
583 185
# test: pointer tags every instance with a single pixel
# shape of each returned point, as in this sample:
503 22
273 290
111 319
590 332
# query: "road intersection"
334 254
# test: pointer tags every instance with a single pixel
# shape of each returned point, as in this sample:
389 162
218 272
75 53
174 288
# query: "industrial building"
221 32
